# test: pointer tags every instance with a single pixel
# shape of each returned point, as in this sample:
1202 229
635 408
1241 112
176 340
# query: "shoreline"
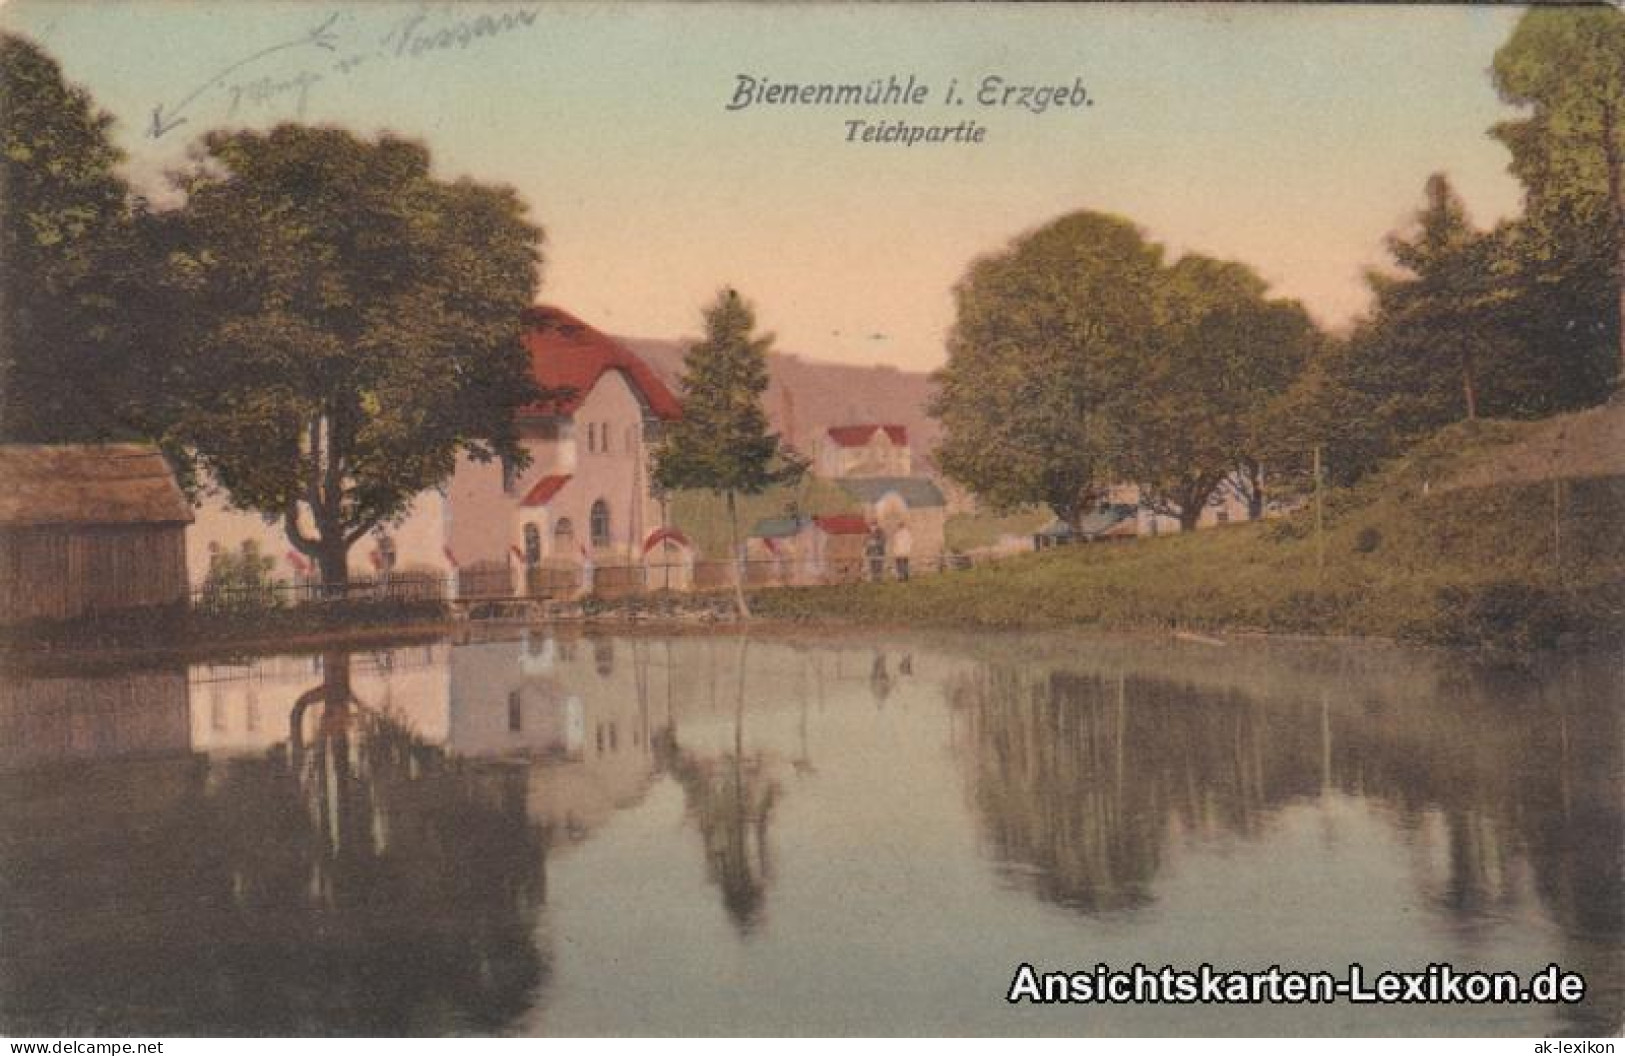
22 656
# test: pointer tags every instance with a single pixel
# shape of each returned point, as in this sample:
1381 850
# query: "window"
600 523
592 437
516 712
564 536
533 545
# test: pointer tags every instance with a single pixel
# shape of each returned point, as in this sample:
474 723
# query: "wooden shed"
88 528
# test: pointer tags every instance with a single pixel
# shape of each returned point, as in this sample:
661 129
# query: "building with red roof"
585 497
867 450
570 358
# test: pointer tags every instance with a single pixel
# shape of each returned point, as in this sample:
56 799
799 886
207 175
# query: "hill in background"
805 397
1491 532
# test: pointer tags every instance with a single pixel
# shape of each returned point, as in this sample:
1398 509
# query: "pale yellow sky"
1293 138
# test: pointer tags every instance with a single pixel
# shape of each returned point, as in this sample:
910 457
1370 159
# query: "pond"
569 834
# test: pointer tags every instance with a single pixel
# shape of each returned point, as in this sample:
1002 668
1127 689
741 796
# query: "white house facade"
584 500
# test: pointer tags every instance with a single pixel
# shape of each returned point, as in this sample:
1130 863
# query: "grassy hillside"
1408 553
805 396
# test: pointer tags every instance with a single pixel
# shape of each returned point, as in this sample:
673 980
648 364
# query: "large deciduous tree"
1566 65
1045 333
1199 403
722 444
353 324
66 244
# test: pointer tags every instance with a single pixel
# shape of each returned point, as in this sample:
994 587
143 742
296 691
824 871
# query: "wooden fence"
555 582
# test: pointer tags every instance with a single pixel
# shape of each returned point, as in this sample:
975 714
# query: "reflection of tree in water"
1081 778
731 797
1077 777
362 883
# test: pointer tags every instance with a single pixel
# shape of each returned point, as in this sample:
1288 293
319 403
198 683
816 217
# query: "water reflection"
731 796
354 880
1083 780
496 837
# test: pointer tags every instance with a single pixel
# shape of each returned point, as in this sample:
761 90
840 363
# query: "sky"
1294 138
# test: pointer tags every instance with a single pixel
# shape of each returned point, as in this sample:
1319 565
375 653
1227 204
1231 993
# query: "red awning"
661 535
545 489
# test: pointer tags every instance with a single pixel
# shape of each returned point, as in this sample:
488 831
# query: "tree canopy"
352 326
1204 402
1566 67
1078 360
66 239
1043 335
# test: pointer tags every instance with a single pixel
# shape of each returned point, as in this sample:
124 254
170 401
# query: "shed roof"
843 524
917 492
88 484
778 527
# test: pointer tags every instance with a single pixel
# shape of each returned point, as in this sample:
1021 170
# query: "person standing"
874 550
902 546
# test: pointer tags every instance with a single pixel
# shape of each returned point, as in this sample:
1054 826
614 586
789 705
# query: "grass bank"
180 629
1406 554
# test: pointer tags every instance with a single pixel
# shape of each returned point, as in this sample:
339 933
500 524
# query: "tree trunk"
1193 497
738 559
1614 166
334 562
1469 390
1255 490
1619 382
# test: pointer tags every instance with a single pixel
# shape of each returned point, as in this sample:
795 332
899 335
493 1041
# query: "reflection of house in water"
577 708
365 882
245 708
56 718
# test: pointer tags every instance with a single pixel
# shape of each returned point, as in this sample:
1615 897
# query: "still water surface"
577 835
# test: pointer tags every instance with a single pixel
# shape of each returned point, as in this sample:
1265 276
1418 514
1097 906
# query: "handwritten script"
327 55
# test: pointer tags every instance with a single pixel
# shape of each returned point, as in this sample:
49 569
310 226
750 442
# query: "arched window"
533 545
564 537
600 523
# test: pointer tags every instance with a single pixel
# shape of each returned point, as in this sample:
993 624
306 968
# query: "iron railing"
558 582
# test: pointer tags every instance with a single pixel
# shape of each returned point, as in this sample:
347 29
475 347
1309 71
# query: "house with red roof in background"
870 450
584 500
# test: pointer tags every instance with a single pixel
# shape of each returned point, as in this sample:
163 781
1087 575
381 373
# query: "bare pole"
1557 525
1320 523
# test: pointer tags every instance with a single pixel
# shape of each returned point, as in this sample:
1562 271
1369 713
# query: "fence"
555 582
399 586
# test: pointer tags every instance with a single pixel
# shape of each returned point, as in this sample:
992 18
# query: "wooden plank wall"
59 573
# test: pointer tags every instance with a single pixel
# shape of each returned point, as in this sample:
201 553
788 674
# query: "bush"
240 581
1368 540
1505 613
